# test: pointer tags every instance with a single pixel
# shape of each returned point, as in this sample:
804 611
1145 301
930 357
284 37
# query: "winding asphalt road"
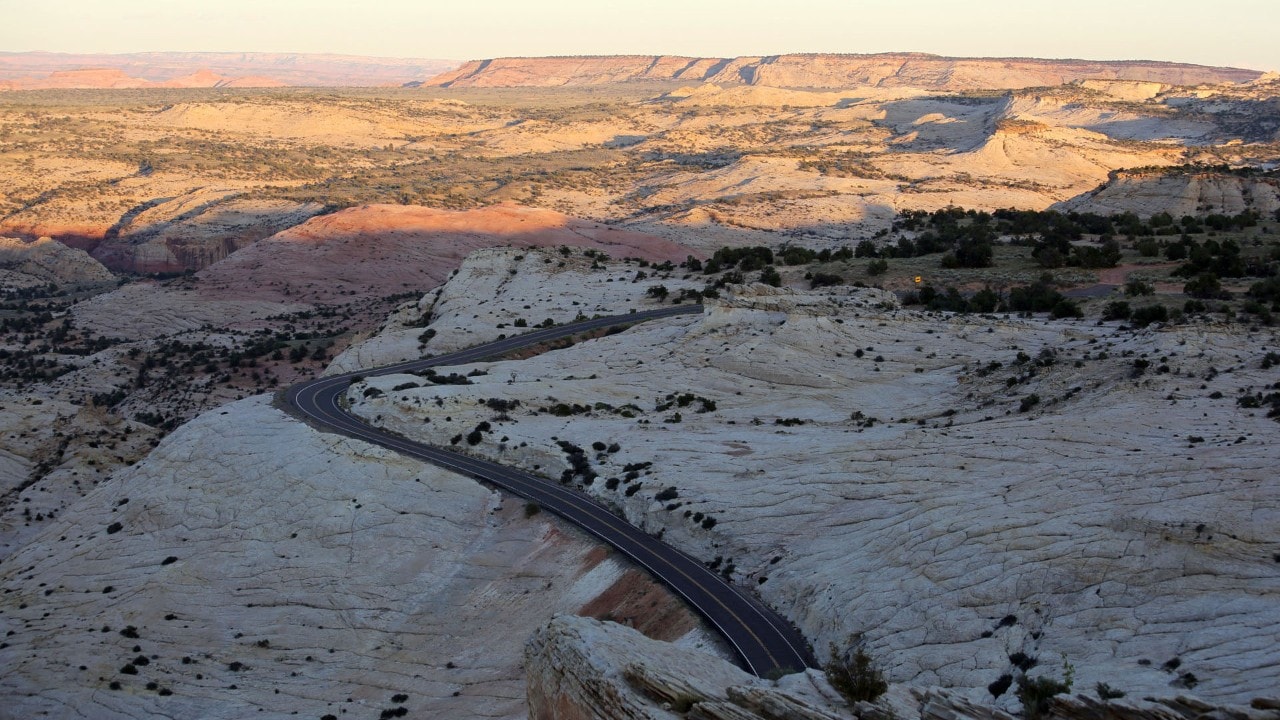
766 643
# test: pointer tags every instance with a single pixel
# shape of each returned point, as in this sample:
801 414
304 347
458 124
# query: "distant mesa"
34 71
917 70
45 71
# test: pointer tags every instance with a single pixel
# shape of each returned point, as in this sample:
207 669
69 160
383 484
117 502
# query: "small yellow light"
919 279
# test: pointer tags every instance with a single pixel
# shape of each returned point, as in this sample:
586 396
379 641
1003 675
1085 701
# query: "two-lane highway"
765 642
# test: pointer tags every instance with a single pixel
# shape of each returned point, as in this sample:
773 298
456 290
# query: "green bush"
1134 288
855 676
1144 316
1204 286
1036 694
1117 310
1106 692
822 279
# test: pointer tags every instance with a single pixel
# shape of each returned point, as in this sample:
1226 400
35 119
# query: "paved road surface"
765 642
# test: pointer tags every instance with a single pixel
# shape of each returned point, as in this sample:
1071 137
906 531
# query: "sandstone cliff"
827 71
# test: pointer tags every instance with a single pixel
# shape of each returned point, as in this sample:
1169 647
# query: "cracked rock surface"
253 566
970 497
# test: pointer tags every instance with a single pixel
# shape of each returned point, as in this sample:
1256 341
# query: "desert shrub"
1204 286
1039 296
866 249
1133 288
1106 692
797 256
822 279
984 301
1065 308
769 276
1117 310
1148 314
1035 695
1095 257
877 267
1266 291
855 676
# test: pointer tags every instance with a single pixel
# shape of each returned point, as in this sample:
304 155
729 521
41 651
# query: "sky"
1241 33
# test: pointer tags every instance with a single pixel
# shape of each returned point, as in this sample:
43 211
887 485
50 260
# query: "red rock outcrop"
377 249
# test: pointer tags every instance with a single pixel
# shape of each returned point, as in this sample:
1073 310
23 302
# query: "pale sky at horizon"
1241 33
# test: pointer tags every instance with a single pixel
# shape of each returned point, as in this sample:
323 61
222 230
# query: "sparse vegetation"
855 676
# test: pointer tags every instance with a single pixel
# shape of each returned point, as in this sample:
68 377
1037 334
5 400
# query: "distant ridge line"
45 70
828 70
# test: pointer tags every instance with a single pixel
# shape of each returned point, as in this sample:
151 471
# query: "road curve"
765 642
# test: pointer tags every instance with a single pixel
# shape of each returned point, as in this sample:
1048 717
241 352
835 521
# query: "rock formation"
1180 193
581 669
194 230
826 71
373 249
46 260
838 435
251 563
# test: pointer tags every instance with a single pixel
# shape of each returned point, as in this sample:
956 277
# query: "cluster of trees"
1039 296
967 236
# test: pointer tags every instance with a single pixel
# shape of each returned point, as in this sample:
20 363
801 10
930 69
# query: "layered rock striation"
826 71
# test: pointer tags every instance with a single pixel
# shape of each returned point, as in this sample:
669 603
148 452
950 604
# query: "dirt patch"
638 602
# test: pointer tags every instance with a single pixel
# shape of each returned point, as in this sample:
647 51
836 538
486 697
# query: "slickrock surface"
46 260
955 491
54 453
477 306
581 668
1178 195
824 71
252 566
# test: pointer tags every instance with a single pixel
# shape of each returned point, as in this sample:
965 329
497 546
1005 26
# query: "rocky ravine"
967 496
